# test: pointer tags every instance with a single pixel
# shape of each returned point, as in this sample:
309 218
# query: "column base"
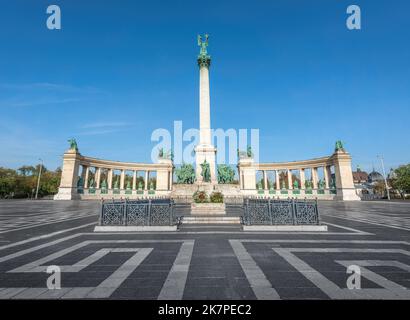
347 195
67 194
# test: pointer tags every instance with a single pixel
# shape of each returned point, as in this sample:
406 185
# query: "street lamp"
39 176
384 176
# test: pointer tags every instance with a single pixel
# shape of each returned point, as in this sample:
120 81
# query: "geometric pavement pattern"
210 262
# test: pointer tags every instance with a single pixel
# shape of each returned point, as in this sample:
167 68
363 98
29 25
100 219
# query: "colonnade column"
134 180
122 179
87 172
314 178
265 180
302 178
326 176
97 178
146 180
290 185
110 178
277 179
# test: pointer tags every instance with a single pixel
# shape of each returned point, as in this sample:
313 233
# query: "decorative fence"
144 212
280 212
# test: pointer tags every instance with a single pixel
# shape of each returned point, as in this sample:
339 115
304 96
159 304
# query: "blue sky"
117 70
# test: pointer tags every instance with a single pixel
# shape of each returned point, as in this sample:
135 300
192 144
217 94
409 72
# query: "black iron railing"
143 212
280 212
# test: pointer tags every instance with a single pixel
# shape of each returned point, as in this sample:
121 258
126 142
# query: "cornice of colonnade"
119 165
295 165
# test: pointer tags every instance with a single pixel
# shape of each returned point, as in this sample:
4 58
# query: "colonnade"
80 181
336 181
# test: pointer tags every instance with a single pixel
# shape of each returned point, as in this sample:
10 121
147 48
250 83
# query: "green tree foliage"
185 174
21 183
225 174
401 181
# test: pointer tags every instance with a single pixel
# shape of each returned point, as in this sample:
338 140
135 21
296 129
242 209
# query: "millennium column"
204 151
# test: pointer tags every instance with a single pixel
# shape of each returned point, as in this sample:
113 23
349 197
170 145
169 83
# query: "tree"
401 179
20 183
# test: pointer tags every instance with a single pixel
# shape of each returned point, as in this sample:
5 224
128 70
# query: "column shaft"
277 178
265 180
122 179
314 177
134 180
97 178
87 171
146 180
290 182
326 176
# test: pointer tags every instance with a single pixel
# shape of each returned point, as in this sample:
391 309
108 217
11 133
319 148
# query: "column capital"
204 61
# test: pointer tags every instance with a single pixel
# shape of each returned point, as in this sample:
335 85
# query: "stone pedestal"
205 209
247 175
164 175
69 176
344 177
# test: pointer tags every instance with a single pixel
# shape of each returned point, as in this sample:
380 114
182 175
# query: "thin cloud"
49 87
104 125
38 102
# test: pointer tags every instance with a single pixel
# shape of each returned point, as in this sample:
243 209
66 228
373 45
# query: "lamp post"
384 176
39 176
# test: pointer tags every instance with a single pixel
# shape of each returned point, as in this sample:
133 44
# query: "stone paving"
203 261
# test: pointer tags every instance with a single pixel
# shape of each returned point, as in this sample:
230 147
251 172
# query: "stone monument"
204 151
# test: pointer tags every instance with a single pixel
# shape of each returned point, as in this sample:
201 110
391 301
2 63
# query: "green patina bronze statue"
203 44
296 184
165 155
249 152
339 146
206 172
80 182
128 187
321 184
116 184
225 174
204 60
185 174
73 144
104 184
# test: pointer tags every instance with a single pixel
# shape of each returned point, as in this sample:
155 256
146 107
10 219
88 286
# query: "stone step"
210 220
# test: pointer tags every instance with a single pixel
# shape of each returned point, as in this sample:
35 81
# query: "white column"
134 180
326 176
265 180
122 179
97 178
277 179
290 183
302 178
204 107
87 172
110 178
146 179
314 177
